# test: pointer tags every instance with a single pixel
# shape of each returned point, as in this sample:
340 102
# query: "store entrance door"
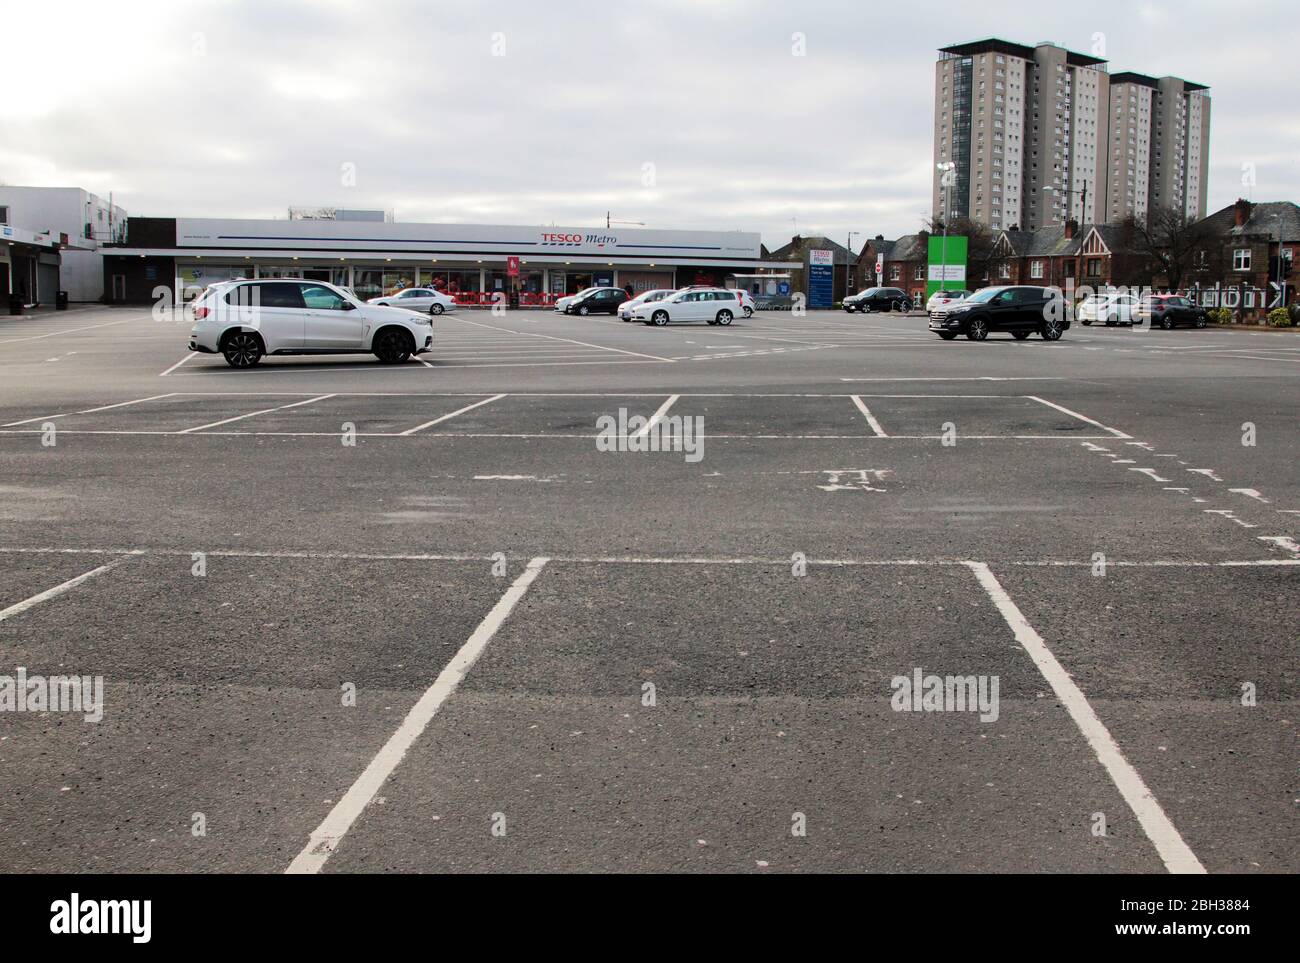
573 283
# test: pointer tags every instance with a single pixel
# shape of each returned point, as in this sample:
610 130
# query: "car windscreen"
987 294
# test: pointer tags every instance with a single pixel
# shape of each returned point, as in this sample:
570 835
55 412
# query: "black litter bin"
61 301
15 304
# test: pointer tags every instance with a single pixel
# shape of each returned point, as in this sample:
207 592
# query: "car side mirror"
349 306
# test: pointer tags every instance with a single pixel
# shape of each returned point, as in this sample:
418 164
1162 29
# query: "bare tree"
1175 247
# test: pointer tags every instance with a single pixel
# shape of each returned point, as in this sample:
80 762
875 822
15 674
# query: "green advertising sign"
947 264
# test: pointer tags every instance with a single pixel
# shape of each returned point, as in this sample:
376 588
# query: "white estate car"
714 305
245 320
941 301
1108 309
417 299
646 297
561 304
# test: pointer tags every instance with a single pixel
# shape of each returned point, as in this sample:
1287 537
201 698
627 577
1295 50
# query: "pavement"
352 617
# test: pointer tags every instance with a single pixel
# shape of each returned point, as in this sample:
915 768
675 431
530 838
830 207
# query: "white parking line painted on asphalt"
1074 414
552 337
656 417
88 411
984 378
937 562
251 414
55 334
19 607
327 836
192 354
450 415
871 419
1174 852
538 434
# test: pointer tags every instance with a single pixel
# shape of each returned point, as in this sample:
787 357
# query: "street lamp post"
849 266
947 177
1083 198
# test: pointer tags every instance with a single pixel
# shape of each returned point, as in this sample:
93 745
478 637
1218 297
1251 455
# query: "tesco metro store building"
476 264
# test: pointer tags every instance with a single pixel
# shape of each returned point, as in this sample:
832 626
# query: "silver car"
424 300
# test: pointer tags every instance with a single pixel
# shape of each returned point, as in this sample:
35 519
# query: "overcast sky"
675 113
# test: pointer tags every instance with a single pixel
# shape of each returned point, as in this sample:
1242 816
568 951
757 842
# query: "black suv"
1021 310
878 299
599 301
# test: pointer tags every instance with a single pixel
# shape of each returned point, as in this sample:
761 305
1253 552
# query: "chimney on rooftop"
1071 228
1241 212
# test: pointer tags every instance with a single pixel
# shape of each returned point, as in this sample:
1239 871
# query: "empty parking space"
1203 699
650 727
248 694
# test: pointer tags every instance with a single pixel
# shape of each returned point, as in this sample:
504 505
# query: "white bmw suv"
244 320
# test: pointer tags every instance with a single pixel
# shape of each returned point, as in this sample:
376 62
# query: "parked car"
245 320
597 301
1107 309
1169 310
416 299
878 299
645 297
746 302
562 304
1019 309
714 305
945 299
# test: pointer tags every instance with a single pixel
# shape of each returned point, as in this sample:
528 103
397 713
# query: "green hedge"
1279 318
1220 315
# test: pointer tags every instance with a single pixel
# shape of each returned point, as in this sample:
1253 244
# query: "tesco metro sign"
558 239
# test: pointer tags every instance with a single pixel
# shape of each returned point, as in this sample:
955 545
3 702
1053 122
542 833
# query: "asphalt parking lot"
351 617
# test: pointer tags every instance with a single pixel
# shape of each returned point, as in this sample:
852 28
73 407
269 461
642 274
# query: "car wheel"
659 319
1167 324
749 312
1020 335
724 318
242 349
1087 324
436 308
946 335
583 310
1200 322
393 346
977 329
1051 330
